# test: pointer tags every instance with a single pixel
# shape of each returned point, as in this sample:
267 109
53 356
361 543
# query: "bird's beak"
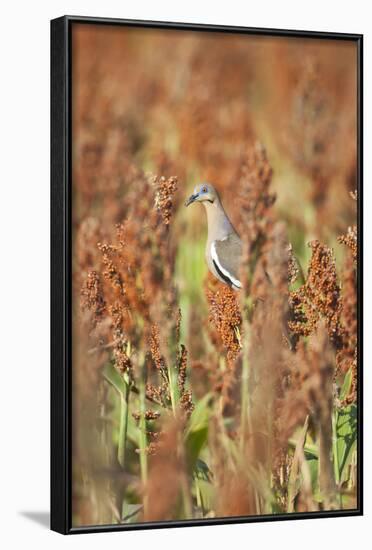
191 199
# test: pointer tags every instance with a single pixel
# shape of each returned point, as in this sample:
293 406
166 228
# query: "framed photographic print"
206 356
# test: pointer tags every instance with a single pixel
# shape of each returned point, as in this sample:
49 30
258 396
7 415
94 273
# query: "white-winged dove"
224 247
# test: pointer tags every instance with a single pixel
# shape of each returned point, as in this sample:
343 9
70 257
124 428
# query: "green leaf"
207 494
113 377
202 471
194 443
197 430
117 382
346 433
310 449
130 512
200 416
313 465
346 385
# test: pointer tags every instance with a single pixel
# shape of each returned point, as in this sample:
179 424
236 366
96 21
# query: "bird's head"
204 192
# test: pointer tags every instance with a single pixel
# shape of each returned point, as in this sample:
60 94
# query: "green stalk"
143 436
199 500
336 463
172 372
245 419
186 498
199 496
123 429
296 467
173 389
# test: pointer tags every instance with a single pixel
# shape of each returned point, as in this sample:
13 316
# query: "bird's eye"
204 190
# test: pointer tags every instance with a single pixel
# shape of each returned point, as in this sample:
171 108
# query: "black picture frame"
61 297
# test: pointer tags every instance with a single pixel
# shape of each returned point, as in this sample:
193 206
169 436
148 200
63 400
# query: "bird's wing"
226 255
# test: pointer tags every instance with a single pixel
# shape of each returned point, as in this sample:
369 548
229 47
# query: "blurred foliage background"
193 106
